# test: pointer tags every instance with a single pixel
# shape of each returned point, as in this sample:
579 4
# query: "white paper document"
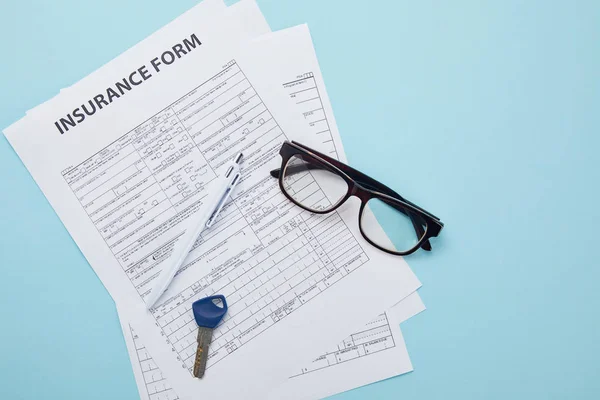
374 353
380 341
125 180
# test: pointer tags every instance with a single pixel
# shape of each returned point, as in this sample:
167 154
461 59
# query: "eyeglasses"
321 184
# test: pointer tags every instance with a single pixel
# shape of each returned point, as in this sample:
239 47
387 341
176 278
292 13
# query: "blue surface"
486 113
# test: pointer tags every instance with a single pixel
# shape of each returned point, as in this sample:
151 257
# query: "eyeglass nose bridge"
359 191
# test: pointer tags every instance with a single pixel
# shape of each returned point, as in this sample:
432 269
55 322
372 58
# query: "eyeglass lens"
399 235
311 184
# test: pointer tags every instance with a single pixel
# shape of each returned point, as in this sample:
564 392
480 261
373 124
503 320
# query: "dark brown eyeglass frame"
425 224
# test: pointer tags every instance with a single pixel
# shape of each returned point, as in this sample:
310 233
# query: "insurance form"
374 352
125 180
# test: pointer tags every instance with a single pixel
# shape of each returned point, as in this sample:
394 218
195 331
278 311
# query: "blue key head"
207 313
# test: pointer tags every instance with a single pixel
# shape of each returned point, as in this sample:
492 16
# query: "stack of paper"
127 155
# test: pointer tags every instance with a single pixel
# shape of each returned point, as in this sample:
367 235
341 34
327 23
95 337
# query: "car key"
207 314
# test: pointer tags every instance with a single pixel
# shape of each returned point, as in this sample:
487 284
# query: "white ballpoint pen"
200 221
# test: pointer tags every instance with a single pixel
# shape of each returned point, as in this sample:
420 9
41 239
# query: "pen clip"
223 199
229 188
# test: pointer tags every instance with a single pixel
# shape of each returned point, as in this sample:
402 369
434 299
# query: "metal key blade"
208 312
204 339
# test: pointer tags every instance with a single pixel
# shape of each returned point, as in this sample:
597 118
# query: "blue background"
486 113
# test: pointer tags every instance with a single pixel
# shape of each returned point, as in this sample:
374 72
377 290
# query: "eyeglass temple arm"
416 220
